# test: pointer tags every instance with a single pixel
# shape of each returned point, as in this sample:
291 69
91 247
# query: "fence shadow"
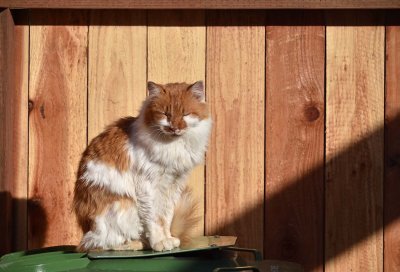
14 232
349 216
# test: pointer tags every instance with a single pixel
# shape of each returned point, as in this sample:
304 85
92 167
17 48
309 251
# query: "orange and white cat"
131 184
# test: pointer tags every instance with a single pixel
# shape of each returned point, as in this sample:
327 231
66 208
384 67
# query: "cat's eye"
187 113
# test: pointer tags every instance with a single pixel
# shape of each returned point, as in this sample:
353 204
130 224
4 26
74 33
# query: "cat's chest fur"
168 160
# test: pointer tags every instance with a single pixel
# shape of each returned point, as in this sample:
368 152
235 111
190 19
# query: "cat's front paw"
166 244
176 242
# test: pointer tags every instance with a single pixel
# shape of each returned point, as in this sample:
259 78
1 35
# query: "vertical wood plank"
176 53
6 122
20 134
392 144
235 161
354 141
117 66
294 196
13 131
57 123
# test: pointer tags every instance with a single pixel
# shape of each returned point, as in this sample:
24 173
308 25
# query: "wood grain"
294 196
117 67
235 160
20 132
57 123
392 144
13 132
203 4
6 122
354 141
176 53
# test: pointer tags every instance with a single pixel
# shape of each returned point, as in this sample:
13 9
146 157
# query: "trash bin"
212 256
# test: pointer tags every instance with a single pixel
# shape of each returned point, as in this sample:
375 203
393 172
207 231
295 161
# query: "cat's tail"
186 217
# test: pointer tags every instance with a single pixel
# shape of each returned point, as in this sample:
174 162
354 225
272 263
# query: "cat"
131 190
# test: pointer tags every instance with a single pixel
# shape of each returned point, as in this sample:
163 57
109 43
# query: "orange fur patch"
91 201
110 146
176 100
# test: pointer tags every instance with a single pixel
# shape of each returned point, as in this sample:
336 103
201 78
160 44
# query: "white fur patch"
114 227
191 120
164 122
103 175
178 156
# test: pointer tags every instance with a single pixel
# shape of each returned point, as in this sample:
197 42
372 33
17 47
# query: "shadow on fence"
349 216
14 232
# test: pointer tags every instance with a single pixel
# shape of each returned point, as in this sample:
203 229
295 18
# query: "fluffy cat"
131 184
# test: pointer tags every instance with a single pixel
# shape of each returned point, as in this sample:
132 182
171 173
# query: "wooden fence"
303 161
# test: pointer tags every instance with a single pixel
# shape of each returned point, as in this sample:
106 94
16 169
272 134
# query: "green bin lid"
48 259
64 258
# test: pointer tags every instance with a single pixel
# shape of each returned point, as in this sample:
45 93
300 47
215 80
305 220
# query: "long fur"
186 218
183 224
131 188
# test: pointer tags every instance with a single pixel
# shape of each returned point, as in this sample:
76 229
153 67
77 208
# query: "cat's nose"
172 129
176 130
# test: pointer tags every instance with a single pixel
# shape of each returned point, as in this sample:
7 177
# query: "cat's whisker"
156 131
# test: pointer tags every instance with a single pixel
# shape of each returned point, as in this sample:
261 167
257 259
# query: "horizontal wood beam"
203 4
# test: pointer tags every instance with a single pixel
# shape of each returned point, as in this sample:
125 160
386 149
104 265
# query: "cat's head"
175 108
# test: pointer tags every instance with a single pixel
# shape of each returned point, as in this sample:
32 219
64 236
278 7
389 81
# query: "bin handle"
257 254
239 268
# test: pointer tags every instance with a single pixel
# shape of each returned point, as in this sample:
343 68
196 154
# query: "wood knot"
42 111
311 113
30 106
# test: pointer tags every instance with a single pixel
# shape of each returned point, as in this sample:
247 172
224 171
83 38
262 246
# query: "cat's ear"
153 88
197 90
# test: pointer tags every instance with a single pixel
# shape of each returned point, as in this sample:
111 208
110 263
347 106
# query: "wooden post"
354 141
235 158
57 123
392 144
13 132
294 196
